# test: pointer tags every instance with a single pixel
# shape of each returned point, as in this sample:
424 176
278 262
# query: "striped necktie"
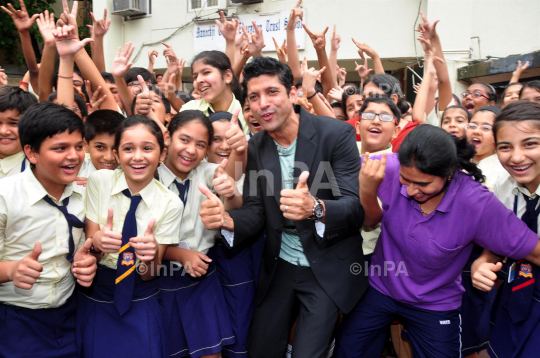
523 285
125 267
72 221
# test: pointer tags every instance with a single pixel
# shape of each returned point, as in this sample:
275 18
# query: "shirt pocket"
437 257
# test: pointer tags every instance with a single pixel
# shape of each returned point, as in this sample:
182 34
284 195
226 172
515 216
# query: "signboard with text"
208 37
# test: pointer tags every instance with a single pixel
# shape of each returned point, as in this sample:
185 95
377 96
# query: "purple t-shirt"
428 253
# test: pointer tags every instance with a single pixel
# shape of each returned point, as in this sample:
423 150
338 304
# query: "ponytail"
465 154
433 151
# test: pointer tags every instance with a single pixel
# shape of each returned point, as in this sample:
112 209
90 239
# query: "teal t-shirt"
291 247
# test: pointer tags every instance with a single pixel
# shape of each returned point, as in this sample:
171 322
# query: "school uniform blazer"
320 140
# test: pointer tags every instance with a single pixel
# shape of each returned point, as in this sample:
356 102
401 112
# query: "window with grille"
198 4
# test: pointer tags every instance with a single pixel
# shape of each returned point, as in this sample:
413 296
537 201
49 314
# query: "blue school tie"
183 189
23 165
522 286
72 221
125 267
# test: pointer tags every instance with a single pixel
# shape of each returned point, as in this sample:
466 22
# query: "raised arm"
377 63
228 29
419 107
319 43
363 70
519 70
308 82
100 29
23 23
255 40
332 59
297 14
120 66
281 52
152 54
67 44
429 32
46 71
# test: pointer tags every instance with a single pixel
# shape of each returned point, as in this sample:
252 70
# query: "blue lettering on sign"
211 32
249 27
273 26
298 24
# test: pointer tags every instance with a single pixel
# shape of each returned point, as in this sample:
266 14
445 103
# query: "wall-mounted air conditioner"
245 2
130 7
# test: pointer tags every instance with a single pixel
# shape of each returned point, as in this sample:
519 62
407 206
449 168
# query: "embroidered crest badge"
128 259
526 270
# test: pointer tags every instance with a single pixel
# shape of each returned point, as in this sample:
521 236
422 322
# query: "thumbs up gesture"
105 239
297 204
212 210
27 271
143 103
84 265
223 184
146 247
236 139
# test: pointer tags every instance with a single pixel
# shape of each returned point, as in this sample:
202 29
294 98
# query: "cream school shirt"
370 234
25 218
492 169
193 232
87 167
203 106
12 165
104 190
506 189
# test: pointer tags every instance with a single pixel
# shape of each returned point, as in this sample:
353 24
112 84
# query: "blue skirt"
45 332
476 306
195 313
235 268
509 340
102 332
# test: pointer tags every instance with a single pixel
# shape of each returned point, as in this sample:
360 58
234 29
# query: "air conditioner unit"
245 2
130 7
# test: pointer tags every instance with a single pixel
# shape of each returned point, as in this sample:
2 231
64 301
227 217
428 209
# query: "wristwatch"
318 210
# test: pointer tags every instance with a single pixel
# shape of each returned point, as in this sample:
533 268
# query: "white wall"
505 27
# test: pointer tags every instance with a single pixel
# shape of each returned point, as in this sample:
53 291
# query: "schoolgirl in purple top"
434 210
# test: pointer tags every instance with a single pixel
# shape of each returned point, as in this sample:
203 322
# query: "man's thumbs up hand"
297 204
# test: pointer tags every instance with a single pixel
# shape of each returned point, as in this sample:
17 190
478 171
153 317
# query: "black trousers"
294 291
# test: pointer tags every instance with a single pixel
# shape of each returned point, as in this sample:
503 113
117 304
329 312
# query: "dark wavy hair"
433 151
389 85
220 61
135 120
517 111
260 66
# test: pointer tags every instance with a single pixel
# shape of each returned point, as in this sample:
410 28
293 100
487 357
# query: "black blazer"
320 140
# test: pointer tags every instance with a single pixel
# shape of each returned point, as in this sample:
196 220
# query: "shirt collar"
204 106
8 163
147 193
35 191
387 150
167 177
451 192
521 188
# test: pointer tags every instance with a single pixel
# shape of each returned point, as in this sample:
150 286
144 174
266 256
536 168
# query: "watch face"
319 211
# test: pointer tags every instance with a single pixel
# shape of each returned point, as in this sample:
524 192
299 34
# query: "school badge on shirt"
526 270
127 259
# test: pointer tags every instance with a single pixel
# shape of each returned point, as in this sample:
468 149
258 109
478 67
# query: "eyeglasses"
484 128
473 95
382 116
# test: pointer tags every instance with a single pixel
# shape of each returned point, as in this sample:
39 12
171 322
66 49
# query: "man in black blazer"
313 245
